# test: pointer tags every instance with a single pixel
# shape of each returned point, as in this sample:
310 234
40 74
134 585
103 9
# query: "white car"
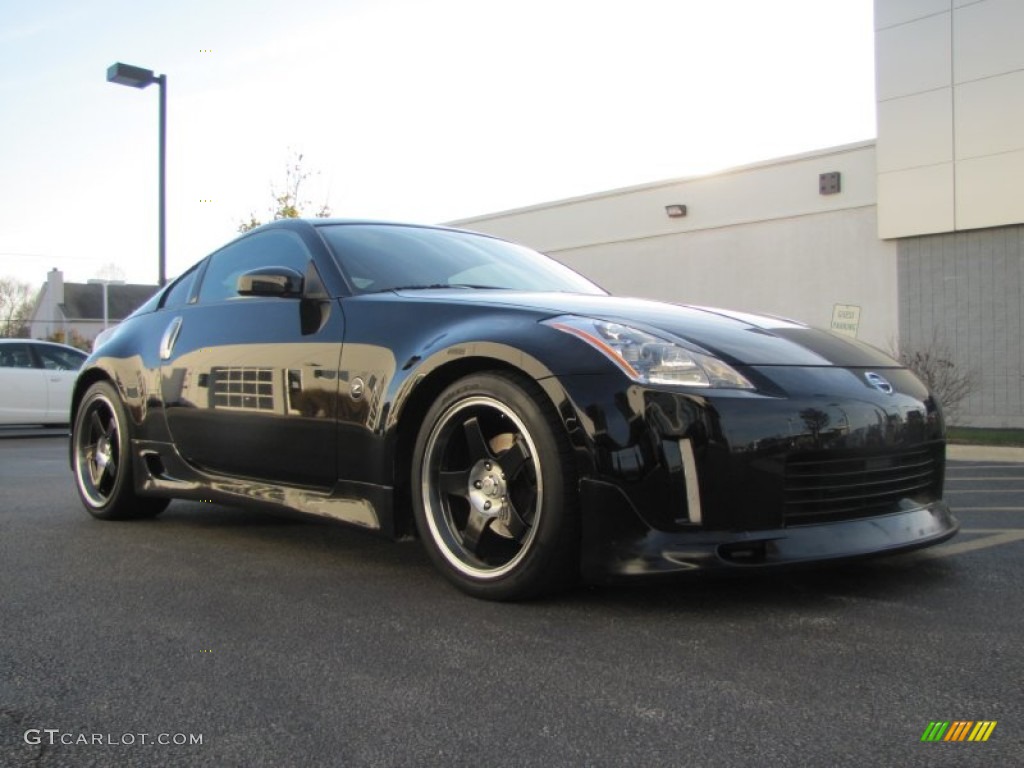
36 379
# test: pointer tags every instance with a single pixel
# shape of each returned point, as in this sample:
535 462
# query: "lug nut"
477 484
487 505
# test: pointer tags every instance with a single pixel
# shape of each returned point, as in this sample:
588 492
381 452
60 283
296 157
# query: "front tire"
101 458
494 490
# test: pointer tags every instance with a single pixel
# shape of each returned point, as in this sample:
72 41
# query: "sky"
403 110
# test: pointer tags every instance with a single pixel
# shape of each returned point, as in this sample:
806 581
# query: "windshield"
383 257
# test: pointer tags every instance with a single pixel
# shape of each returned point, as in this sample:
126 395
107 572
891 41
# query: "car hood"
735 337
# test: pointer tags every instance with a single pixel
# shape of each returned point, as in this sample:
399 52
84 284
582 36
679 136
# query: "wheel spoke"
104 482
527 502
96 430
92 466
475 440
475 527
455 482
110 471
512 460
515 523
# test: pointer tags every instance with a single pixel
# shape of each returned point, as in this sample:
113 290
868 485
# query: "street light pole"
106 303
137 77
162 80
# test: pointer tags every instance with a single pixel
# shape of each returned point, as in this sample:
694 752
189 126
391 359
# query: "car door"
250 383
61 366
23 398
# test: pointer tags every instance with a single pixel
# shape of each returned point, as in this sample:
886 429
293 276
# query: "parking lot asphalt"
278 641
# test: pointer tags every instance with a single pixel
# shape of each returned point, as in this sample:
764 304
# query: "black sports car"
530 427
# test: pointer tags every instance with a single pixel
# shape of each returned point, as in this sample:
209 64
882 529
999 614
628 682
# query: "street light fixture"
137 77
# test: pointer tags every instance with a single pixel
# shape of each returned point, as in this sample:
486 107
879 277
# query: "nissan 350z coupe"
530 427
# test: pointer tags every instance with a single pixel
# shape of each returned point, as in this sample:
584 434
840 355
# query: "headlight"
648 359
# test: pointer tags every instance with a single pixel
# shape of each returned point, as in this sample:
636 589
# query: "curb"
957 452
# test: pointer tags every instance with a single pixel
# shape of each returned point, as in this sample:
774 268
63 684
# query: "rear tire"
493 489
102 461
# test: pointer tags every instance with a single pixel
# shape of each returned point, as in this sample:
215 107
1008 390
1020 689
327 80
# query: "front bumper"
737 480
615 547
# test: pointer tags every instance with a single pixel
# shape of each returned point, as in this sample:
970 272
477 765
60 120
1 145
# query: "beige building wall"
950 91
760 238
799 269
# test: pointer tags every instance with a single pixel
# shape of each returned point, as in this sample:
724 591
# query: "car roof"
299 223
44 342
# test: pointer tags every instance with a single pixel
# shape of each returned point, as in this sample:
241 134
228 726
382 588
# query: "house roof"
84 301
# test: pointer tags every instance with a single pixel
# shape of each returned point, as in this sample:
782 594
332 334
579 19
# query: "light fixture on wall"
830 183
675 211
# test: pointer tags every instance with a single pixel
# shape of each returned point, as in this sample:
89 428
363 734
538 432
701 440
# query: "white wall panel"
956 73
891 12
990 115
915 57
915 130
989 191
916 201
988 38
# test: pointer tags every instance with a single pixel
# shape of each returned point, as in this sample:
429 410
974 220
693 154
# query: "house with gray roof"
78 307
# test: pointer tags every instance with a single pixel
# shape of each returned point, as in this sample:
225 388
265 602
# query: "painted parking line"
957 508
995 537
954 467
971 479
985 490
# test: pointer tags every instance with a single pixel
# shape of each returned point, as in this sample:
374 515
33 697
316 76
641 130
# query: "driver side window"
276 248
15 356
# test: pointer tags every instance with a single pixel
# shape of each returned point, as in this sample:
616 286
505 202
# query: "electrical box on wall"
829 183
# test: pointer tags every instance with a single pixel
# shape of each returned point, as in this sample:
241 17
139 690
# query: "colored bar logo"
958 730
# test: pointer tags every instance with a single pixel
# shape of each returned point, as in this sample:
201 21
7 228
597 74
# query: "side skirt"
161 471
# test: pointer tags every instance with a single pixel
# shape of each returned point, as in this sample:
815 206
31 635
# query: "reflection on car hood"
736 337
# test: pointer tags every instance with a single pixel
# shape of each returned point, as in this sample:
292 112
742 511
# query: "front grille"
821 490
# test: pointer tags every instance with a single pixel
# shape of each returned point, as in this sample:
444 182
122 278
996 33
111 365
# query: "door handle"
169 339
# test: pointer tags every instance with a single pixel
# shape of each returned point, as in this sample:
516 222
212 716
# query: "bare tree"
16 302
72 338
934 365
110 271
287 204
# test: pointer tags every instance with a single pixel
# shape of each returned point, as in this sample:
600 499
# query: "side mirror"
283 282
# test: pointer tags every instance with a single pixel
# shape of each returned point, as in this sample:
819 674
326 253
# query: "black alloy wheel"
102 462
493 489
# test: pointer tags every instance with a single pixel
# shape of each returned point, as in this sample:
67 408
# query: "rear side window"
178 294
58 359
276 248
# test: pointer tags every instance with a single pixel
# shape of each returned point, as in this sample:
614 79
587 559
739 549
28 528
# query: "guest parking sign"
846 319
